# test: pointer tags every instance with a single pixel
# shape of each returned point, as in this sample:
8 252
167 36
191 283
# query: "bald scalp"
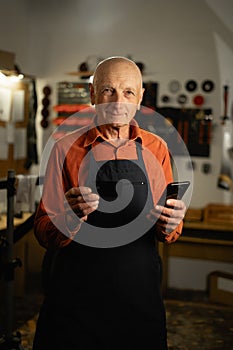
111 62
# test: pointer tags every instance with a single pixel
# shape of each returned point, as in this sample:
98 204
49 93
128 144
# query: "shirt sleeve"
50 226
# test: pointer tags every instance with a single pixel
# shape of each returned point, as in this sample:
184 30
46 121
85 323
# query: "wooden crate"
220 287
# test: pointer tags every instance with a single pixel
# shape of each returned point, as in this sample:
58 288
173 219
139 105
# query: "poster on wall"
18 106
5 104
3 145
20 149
15 107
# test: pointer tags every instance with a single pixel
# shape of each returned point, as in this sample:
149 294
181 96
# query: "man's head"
116 90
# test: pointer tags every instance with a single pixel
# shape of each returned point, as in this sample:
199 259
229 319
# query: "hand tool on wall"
225 180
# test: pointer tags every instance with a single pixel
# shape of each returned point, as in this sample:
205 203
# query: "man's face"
117 93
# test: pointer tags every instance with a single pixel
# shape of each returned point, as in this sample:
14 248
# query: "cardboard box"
220 287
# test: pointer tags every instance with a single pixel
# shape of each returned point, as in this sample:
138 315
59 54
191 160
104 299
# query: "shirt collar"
93 133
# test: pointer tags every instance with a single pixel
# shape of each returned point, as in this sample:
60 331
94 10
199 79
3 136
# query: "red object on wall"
198 100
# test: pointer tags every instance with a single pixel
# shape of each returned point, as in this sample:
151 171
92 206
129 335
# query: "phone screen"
174 190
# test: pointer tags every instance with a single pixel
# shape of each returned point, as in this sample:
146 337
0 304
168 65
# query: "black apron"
107 298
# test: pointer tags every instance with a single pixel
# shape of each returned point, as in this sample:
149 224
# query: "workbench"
199 240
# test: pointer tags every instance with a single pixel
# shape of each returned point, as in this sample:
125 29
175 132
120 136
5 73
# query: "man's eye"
129 92
107 91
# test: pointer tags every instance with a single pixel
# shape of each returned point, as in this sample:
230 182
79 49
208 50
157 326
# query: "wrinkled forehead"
121 70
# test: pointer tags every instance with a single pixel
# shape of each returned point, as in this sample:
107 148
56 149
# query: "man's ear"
143 90
139 104
92 93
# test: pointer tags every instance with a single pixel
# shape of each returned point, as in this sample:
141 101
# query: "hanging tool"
225 180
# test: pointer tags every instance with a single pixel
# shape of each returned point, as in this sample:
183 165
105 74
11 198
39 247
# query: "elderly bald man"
99 217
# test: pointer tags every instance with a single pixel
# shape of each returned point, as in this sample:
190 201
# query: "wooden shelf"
205 225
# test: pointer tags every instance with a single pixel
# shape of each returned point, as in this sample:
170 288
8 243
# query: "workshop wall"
177 40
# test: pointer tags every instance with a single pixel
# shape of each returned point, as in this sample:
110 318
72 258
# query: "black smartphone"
174 190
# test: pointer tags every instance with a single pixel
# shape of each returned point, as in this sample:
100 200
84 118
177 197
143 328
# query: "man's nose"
118 97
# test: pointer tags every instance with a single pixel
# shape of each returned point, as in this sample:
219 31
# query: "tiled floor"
193 322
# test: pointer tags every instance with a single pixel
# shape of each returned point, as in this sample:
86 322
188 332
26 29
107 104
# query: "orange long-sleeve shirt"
67 167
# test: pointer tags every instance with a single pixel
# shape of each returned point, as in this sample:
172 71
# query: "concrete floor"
193 322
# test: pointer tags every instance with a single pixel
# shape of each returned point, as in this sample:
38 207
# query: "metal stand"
8 340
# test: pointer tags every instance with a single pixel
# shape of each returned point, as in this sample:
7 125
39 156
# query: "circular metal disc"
207 85
174 86
191 85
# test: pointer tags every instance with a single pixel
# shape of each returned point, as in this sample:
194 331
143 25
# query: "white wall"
176 39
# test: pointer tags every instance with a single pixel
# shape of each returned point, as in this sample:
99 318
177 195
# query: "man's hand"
168 218
81 201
